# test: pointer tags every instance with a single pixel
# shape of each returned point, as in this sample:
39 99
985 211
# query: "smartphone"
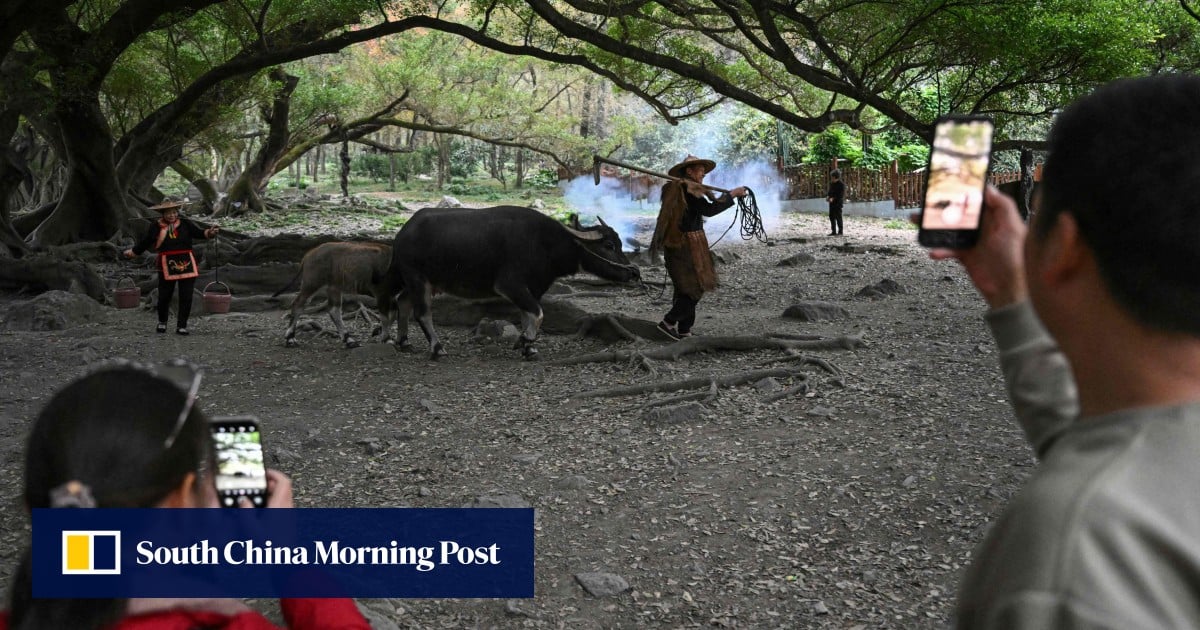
955 182
241 468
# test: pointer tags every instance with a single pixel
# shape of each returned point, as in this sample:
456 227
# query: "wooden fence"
811 181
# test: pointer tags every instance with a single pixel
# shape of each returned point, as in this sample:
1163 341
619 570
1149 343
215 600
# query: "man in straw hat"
679 233
171 237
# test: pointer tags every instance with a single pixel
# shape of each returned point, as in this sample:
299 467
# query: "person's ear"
184 495
1062 254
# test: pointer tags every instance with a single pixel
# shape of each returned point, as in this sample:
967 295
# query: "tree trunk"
345 171
1026 188
585 115
520 168
391 172
245 193
13 172
443 162
207 189
92 207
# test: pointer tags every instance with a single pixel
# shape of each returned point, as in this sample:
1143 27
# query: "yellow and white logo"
91 552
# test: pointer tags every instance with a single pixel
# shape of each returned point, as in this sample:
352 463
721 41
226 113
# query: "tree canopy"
98 99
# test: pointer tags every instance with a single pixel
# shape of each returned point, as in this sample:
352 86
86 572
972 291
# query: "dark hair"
1123 163
835 173
107 431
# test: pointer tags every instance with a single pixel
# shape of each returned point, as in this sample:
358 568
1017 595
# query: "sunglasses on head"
184 374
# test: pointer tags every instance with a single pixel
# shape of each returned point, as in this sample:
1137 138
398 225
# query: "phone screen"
957 176
241 469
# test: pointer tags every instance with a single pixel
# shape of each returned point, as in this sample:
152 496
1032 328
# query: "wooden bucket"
127 297
215 302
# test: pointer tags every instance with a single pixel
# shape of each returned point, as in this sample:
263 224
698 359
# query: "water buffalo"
342 268
506 251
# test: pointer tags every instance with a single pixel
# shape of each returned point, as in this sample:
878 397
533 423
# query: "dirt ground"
855 505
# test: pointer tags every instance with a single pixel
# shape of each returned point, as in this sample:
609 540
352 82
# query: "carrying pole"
597 160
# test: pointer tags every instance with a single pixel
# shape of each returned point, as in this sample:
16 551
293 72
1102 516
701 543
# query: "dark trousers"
165 289
835 219
682 313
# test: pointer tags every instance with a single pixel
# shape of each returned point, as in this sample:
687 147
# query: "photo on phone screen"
957 177
241 468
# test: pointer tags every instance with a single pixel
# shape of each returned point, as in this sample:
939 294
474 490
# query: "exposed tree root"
804 359
728 380
703 396
692 345
794 390
588 325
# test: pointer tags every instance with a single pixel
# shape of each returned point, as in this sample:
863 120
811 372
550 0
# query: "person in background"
836 196
171 237
1094 310
679 233
165 454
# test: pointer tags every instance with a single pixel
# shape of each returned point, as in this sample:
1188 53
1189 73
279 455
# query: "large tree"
66 70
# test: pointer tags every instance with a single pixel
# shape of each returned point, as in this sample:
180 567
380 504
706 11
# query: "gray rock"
599 584
820 608
883 288
675 414
909 481
424 492
821 412
797 260
537 204
816 311
449 202
52 310
499 501
725 257
527 458
282 457
559 288
378 620
371 446
574 482
429 406
768 384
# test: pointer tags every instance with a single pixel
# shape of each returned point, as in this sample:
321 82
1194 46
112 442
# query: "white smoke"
609 200
707 138
768 186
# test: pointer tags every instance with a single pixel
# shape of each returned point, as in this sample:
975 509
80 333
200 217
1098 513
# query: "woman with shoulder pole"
171 237
679 233
91 448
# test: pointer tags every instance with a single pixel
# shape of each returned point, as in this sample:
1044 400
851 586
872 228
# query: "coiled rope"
752 222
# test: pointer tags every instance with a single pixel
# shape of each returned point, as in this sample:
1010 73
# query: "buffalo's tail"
291 283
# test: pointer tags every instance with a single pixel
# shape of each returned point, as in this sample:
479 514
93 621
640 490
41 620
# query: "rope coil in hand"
751 218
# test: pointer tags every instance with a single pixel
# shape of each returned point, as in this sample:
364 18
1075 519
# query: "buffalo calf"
341 268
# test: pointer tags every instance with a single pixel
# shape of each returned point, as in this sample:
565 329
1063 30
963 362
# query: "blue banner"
385 552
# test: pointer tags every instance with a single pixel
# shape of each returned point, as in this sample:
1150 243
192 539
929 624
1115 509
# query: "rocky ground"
853 505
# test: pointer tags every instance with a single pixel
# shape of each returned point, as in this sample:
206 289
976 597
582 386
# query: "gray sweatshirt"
1106 533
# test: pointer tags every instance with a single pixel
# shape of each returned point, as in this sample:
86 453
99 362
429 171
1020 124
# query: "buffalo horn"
601 220
584 236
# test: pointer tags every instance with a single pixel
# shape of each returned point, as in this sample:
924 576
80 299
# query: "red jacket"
300 614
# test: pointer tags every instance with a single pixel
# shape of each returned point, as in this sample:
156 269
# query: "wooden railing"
811 181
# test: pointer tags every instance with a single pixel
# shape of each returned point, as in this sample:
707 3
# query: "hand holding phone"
241 469
955 182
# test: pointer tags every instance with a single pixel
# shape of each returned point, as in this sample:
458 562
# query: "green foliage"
394 222
834 142
899 224
372 165
542 179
